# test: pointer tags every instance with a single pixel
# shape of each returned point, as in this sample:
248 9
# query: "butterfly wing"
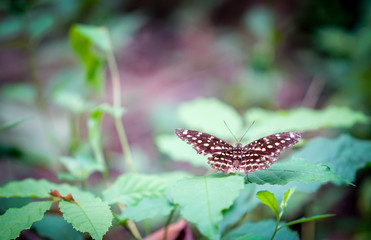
262 153
202 142
206 144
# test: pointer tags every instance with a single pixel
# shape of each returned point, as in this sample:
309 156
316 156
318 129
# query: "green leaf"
9 125
72 101
286 198
179 151
263 228
56 228
147 208
98 36
27 188
81 166
245 202
91 215
295 169
301 119
15 220
202 199
344 155
83 38
130 189
268 199
306 219
208 115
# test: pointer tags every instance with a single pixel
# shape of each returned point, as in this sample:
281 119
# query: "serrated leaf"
301 119
56 228
286 198
268 199
147 208
130 189
15 220
306 219
295 169
263 228
344 155
178 151
202 199
27 188
91 215
208 115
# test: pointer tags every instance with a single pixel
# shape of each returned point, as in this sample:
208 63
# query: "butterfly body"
259 154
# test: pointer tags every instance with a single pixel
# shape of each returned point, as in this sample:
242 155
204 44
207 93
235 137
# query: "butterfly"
259 154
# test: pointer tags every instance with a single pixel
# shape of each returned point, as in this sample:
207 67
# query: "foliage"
86 214
219 206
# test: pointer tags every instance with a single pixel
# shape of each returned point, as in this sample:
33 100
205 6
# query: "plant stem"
277 223
116 90
169 221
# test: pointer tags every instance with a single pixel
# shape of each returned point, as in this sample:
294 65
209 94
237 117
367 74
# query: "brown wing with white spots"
202 142
262 153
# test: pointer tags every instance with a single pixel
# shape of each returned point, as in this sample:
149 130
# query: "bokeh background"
268 54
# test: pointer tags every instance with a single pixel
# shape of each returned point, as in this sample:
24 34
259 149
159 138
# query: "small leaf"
97 35
306 219
208 115
14 220
130 189
301 119
268 199
72 101
81 166
286 197
83 38
147 208
295 169
202 199
263 228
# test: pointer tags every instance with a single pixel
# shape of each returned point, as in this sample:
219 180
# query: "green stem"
277 227
169 221
116 88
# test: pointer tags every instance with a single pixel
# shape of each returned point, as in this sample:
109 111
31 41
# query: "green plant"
219 205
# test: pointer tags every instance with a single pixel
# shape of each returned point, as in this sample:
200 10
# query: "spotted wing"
202 142
206 144
262 153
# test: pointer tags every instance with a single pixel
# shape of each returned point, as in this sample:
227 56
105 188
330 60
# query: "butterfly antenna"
247 130
230 131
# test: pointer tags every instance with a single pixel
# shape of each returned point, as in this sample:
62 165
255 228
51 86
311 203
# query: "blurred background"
268 54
